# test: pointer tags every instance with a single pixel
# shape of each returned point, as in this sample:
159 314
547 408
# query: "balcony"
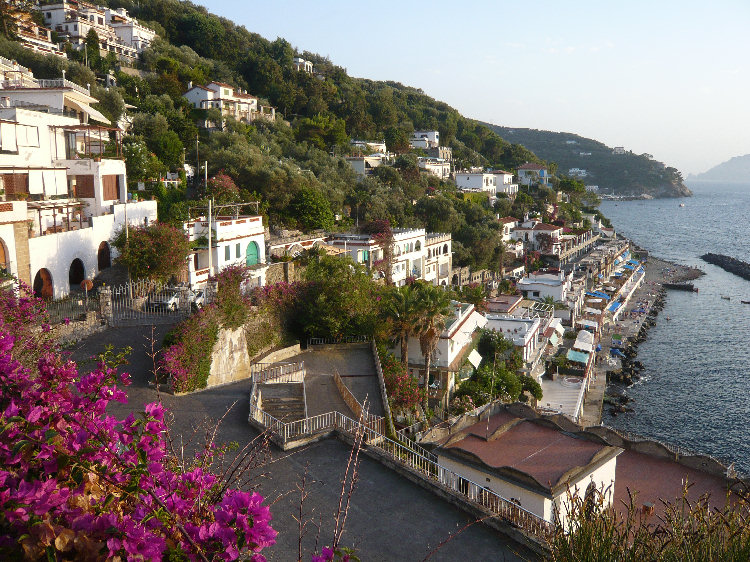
63 83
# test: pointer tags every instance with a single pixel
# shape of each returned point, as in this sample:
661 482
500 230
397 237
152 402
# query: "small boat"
682 204
726 298
745 302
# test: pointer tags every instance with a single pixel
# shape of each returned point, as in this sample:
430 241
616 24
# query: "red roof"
542 226
513 445
531 166
501 172
506 220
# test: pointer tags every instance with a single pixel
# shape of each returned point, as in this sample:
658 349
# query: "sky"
662 77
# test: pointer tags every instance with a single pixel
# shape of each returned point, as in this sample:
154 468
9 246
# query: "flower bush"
156 252
462 404
77 483
187 355
403 390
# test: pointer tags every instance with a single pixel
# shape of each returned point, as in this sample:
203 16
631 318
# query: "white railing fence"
278 372
426 465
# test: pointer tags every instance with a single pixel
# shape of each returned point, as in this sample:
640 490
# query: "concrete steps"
285 402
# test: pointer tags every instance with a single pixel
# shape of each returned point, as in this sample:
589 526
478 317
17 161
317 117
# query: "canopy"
554 339
630 267
616 352
474 358
592 310
589 324
618 273
618 261
584 341
634 262
577 356
602 295
614 306
90 111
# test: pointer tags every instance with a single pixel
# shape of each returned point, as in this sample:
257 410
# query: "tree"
223 189
434 309
112 105
311 209
400 309
156 252
396 140
93 54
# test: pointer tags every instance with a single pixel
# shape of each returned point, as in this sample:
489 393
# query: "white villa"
542 284
533 173
60 209
435 166
231 101
371 146
415 253
72 20
533 465
425 139
537 235
364 165
235 240
492 182
128 30
526 333
302 65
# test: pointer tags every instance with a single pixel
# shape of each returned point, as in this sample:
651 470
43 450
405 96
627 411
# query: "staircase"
284 401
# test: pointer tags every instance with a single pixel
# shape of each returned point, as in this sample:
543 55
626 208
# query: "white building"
530 464
435 166
232 102
73 20
542 284
537 235
578 172
525 333
618 150
477 182
365 165
60 210
410 254
370 146
425 139
235 240
303 65
128 30
504 183
32 35
531 173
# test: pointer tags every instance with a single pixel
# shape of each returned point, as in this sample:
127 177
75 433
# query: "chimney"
190 84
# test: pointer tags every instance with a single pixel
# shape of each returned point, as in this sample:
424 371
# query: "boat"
680 286
682 204
745 302
726 298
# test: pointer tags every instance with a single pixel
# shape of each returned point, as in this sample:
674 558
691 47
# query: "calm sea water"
696 388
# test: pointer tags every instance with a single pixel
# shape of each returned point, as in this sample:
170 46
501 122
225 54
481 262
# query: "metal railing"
62 83
75 307
345 339
428 468
278 372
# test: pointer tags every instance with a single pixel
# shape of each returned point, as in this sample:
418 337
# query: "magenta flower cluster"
77 483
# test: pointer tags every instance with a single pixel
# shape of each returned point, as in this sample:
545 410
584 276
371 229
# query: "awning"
588 324
616 352
630 267
90 111
614 306
618 273
577 356
602 295
592 310
618 261
554 339
634 262
474 358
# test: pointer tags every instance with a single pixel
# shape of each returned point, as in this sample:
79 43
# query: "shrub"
156 252
233 306
403 390
187 362
79 484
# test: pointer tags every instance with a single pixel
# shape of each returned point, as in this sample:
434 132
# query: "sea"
695 390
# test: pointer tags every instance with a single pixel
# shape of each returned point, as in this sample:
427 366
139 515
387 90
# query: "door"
251 255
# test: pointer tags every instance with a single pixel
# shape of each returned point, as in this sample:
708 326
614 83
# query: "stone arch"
418 246
445 249
454 280
77 272
43 286
104 256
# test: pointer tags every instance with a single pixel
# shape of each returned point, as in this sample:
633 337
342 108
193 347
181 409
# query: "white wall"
476 182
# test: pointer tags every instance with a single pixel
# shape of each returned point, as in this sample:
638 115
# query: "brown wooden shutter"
110 187
85 187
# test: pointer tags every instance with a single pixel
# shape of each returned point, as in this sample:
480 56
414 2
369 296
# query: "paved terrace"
390 518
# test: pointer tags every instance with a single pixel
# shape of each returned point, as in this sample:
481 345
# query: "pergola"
56 208
98 133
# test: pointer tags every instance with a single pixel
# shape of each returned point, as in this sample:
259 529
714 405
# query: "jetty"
680 286
728 263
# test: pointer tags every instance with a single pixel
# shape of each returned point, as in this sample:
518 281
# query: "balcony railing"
62 83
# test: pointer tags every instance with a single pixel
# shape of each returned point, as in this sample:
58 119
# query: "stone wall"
229 359
285 271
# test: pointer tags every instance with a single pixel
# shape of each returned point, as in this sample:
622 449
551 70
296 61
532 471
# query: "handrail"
288 372
427 468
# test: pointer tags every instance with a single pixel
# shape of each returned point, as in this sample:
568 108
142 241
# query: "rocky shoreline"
650 297
728 263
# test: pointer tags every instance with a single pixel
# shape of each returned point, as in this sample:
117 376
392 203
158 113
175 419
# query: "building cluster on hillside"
229 101
71 20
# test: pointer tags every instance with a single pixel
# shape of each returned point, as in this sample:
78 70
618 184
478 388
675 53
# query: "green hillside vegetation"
622 174
292 167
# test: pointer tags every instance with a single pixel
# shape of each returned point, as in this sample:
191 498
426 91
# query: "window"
237 251
49 15
227 253
418 246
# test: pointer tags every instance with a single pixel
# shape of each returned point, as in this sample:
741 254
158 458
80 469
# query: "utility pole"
197 161
210 250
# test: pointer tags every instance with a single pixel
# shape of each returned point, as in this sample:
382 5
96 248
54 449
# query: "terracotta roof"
531 166
201 87
542 226
523 449
506 220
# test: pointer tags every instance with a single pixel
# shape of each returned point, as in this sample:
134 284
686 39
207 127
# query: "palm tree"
434 310
400 307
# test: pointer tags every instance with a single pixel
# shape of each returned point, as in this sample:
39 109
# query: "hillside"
736 169
620 174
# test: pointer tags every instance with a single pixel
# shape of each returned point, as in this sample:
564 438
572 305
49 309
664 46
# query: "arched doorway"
77 272
43 284
251 255
4 261
103 256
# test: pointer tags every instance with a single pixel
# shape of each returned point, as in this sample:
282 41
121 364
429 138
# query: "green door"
251 255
